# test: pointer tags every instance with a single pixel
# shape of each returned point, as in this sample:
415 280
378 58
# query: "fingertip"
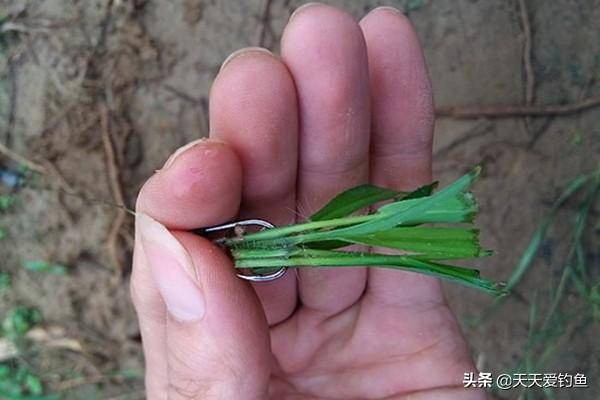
317 21
201 186
385 12
303 7
314 12
244 52
387 28
248 60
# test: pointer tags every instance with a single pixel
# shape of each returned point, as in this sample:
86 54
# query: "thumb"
217 339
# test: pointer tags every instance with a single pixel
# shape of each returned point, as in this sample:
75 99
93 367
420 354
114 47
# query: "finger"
177 195
253 108
402 130
325 51
199 186
217 340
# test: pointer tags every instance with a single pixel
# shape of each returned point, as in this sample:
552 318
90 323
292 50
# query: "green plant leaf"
18 321
5 281
17 382
33 384
353 200
423 191
451 204
44 266
325 258
460 208
6 202
359 197
394 226
453 196
538 236
432 243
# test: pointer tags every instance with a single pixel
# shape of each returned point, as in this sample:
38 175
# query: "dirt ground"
139 71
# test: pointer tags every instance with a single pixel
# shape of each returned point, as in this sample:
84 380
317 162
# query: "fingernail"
386 8
182 150
172 269
302 8
244 51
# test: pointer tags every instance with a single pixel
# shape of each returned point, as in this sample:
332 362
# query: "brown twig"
528 110
527 52
518 110
115 186
528 73
21 160
12 111
63 184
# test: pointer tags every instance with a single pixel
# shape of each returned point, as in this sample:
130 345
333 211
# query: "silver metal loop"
231 225
249 222
264 278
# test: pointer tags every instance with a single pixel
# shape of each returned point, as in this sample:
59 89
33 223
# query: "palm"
370 350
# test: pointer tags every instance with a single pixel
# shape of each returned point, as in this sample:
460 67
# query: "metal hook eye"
264 278
249 222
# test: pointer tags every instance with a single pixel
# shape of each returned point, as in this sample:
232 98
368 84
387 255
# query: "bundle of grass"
408 223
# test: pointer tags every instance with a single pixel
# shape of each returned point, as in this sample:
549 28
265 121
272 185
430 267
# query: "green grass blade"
395 226
453 210
460 208
278 236
238 253
538 236
529 254
447 200
438 243
353 200
578 230
423 191
357 198
427 203
324 258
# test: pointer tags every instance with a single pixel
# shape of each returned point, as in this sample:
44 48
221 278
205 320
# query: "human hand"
346 104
